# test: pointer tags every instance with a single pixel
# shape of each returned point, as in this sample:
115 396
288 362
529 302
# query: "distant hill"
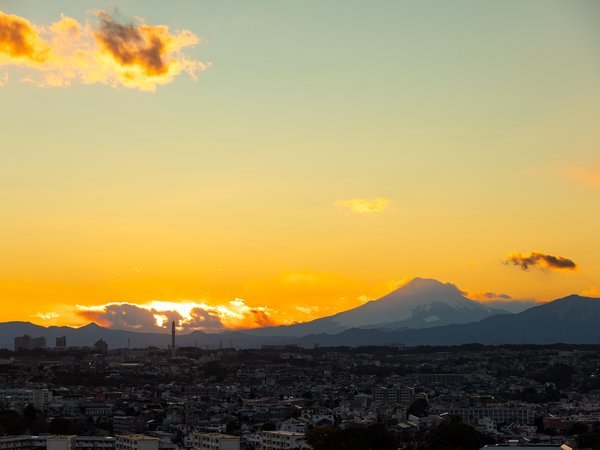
87 335
422 303
84 336
573 319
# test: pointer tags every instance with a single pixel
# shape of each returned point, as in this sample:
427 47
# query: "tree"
418 408
269 426
588 440
319 437
374 437
455 435
577 428
11 423
30 413
559 374
60 425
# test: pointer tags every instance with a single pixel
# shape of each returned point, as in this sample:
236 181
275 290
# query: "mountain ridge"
571 319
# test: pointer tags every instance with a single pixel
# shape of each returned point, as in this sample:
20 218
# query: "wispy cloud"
536 259
364 298
134 54
46 315
364 205
486 296
308 310
158 315
500 301
305 277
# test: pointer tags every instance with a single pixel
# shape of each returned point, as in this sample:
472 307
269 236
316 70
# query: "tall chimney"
173 335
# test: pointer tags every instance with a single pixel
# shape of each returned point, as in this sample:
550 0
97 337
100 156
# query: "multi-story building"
57 443
94 443
295 425
23 442
283 440
60 443
402 395
38 343
61 343
101 345
26 342
20 398
96 410
23 343
442 378
128 424
215 441
499 413
136 442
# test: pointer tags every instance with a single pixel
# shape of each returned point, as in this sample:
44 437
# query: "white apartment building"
500 413
295 425
214 441
60 443
136 442
22 442
57 442
283 440
94 443
22 397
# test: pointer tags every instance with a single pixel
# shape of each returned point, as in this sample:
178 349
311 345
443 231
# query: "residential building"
23 343
61 343
216 441
136 442
282 440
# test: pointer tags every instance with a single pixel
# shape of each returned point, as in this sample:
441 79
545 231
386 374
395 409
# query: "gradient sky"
328 152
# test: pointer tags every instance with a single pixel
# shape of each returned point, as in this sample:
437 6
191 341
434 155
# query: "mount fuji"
422 303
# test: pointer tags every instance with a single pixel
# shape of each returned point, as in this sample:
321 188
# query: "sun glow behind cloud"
188 315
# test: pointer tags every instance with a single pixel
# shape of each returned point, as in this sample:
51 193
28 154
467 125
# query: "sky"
241 164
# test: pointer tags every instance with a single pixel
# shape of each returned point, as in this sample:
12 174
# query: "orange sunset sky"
243 164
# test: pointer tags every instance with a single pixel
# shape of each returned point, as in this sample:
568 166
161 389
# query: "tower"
173 339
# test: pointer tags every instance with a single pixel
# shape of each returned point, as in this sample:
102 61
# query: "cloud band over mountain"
536 259
134 55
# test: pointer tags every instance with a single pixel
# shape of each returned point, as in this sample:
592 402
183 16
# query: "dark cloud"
536 259
141 46
125 316
202 319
